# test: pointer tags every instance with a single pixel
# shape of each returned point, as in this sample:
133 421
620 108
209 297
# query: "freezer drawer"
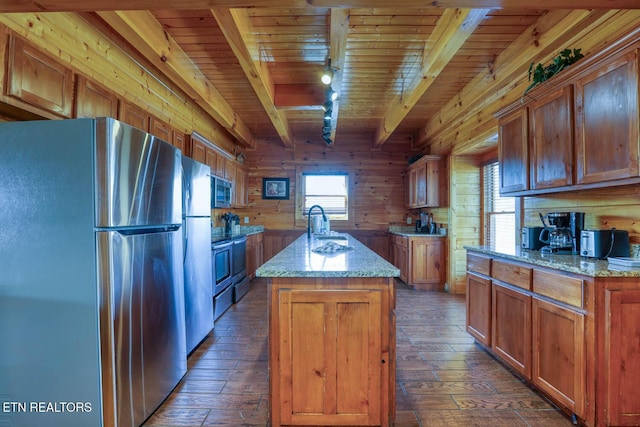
222 302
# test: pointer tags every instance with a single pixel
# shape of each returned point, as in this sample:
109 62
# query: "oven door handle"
221 246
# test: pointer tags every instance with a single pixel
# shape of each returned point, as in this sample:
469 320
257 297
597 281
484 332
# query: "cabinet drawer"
479 264
511 274
559 287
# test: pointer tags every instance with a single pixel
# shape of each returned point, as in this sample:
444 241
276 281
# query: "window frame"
301 218
487 214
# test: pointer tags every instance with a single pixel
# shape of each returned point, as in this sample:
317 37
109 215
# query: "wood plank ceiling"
257 69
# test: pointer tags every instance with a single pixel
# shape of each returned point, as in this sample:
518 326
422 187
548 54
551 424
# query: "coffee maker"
562 236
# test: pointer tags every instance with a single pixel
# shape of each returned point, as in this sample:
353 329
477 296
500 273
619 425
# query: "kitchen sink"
329 237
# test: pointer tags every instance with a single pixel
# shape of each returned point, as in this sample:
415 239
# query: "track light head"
327 106
327 74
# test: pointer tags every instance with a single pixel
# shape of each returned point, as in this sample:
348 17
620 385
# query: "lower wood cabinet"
255 253
620 368
421 260
331 351
400 255
479 308
573 337
558 354
511 327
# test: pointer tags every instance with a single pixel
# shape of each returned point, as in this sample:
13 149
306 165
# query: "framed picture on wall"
275 188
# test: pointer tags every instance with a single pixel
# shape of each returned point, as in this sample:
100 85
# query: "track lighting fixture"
331 94
328 105
327 74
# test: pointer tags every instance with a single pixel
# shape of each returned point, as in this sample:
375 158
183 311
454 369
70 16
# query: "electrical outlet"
246 220
409 220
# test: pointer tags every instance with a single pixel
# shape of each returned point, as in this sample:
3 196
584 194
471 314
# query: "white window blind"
328 191
499 212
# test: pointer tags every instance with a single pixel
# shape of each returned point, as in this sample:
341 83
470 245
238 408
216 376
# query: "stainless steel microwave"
221 191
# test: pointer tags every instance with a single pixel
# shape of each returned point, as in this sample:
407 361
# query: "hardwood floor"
443 378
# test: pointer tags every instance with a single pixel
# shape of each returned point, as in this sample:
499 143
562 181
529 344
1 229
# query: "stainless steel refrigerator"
92 328
196 229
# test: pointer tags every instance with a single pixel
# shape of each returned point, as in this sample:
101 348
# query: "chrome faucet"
324 217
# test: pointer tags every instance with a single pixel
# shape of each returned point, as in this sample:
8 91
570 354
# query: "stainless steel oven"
222 276
239 268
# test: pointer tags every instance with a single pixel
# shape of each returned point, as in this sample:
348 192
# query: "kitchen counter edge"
568 263
298 260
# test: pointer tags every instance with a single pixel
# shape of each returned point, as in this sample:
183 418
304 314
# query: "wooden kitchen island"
331 334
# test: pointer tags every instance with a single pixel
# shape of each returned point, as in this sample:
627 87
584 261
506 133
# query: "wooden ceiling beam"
545 37
7 6
338 31
142 30
236 27
452 29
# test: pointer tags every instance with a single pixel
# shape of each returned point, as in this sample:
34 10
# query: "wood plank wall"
380 177
464 217
604 208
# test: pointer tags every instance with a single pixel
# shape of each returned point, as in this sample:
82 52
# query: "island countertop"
300 260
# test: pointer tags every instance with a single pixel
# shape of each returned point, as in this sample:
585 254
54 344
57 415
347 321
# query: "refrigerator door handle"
148 230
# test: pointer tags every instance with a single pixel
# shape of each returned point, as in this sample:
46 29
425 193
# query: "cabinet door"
93 100
330 357
621 361
552 140
178 140
134 116
240 188
160 129
513 152
212 160
432 183
400 256
221 166
479 308
198 151
427 261
607 122
421 185
511 328
559 354
412 188
39 80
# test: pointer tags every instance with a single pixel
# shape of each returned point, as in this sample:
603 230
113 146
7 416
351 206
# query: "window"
329 191
499 212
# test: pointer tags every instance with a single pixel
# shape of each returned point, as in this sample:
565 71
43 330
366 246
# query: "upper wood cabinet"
179 140
552 139
94 100
607 121
583 127
424 182
160 129
134 116
513 151
37 79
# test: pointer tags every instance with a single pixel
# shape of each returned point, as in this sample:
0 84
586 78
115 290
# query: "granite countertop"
217 233
299 260
411 232
569 263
